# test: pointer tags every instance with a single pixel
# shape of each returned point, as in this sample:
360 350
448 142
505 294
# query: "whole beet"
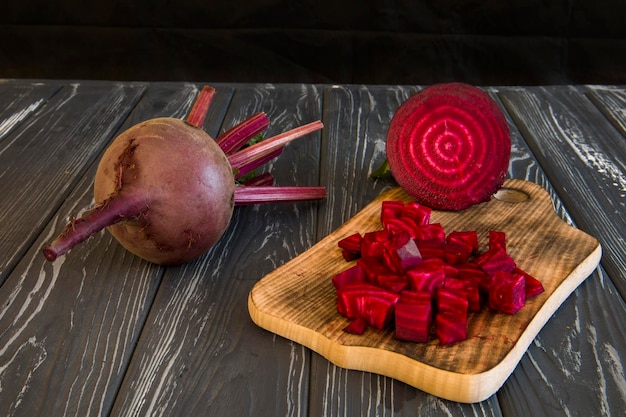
164 189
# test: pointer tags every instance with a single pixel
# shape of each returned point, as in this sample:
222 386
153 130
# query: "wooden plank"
199 349
583 153
19 101
610 100
42 159
573 364
356 120
69 329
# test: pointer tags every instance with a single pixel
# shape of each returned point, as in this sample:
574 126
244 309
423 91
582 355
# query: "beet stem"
263 194
111 211
237 136
201 107
265 179
260 150
257 163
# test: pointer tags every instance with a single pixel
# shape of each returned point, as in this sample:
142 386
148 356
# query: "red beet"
413 318
166 190
507 292
449 146
450 327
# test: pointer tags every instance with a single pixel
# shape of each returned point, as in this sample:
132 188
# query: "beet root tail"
115 209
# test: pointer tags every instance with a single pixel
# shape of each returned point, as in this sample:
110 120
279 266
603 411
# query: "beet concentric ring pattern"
449 146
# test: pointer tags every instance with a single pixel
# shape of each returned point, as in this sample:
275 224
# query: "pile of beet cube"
412 276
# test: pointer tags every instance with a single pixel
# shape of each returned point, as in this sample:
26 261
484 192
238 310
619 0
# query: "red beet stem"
201 107
260 150
265 179
234 138
254 195
257 163
113 210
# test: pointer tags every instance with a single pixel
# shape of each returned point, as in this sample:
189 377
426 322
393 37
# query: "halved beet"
449 146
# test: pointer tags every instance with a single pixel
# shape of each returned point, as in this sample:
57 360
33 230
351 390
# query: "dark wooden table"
101 332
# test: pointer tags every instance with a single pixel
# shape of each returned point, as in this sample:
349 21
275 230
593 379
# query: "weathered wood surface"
101 332
579 149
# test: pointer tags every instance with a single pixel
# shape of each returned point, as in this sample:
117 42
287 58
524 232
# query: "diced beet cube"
356 326
431 249
466 238
433 231
377 236
379 309
449 271
372 249
497 240
370 302
534 287
450 327
393 282
391 257
456 253
351 243
352 275
410 255
472 272
348 299
468 288
452 301
413 320
403 257
390 209
507 292
372 268
349 255
403 224
416 297
373 244
428 276
494 260
418 213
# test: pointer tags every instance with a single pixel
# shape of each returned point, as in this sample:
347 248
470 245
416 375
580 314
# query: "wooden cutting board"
298 300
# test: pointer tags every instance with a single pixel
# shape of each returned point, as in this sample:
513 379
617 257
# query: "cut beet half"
449 146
